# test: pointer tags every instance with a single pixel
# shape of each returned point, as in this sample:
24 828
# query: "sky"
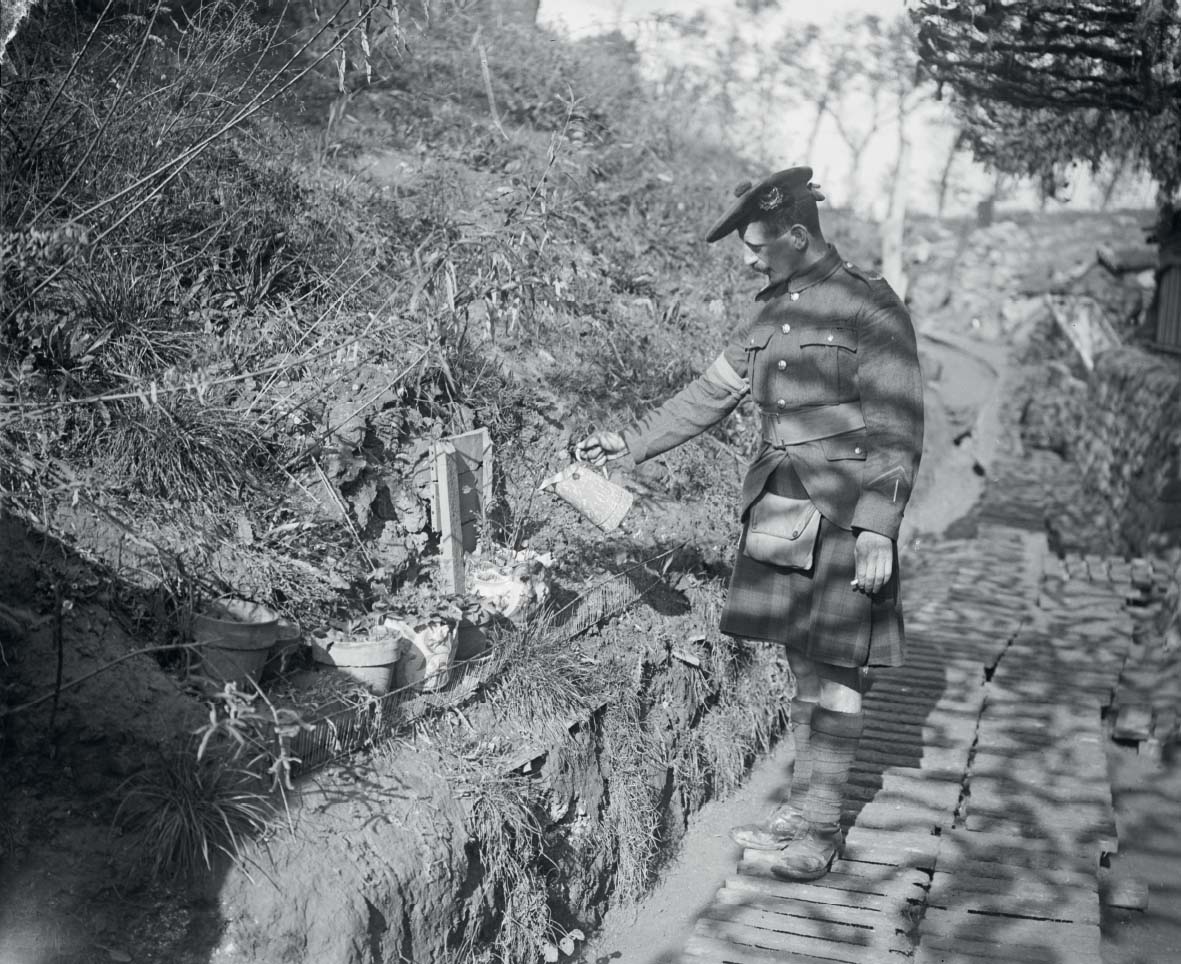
931 133
580 16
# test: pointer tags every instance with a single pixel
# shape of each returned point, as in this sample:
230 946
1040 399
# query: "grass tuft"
188 813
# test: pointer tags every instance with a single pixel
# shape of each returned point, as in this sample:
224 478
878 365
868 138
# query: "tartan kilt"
816 612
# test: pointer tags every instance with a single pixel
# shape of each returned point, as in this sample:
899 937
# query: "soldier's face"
755 238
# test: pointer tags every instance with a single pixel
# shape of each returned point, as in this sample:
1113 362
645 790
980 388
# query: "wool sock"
834 744
801 768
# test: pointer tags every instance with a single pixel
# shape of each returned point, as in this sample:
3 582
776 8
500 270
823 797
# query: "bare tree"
898 70
957 147
509 11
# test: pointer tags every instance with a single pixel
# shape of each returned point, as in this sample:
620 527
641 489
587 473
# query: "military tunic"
831 363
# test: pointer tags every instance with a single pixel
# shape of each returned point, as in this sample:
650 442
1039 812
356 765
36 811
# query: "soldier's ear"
799 237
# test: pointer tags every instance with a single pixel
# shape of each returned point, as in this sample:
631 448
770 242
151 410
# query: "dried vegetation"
228 351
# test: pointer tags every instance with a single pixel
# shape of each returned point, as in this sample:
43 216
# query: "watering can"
599 499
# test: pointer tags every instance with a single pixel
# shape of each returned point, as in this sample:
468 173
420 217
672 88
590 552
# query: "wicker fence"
352 728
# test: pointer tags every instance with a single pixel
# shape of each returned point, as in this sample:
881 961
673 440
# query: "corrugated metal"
1168 316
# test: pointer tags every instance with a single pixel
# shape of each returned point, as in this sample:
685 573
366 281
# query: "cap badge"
771 199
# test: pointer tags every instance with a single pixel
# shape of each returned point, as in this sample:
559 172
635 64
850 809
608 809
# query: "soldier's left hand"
874 554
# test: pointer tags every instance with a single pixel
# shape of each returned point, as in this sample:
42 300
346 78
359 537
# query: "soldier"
832 365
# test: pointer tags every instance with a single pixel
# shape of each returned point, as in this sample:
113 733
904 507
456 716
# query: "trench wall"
394 858
1120 428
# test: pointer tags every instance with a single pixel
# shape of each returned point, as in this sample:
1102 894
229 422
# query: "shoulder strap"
860 273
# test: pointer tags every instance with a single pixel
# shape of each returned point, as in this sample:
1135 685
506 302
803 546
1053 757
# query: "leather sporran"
782 531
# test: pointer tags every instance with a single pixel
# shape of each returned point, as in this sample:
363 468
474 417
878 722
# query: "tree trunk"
856 154
986 209
894 226
508 11
1119 166
821 107
945 175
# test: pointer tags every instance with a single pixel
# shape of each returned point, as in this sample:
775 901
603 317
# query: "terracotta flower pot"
234 636
369 659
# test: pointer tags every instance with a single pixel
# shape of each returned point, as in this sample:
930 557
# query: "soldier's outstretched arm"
701 404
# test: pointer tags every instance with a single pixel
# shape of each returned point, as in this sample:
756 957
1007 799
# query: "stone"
1133 722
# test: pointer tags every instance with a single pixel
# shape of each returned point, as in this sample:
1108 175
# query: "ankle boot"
786 824
811 855
834 743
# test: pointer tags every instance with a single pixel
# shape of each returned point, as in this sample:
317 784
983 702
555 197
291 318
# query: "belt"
781 429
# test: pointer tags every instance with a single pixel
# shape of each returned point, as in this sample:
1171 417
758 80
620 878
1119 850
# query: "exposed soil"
63 893
966 363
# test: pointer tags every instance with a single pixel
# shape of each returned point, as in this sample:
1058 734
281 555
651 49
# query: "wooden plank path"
979 807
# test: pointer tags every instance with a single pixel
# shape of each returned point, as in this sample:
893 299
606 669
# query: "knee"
808 684
839 698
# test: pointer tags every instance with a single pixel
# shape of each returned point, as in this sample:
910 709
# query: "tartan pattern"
834 744
816 612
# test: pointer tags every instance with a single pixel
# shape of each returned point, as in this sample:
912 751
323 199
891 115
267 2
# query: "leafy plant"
188 811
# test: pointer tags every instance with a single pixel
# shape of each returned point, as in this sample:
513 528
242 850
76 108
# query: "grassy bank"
252 268
218 334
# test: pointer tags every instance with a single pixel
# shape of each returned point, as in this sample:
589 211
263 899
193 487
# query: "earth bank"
510 823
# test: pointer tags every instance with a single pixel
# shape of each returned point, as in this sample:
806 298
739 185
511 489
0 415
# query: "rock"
1134 722
1019 317
411 511
1120 298
1128 258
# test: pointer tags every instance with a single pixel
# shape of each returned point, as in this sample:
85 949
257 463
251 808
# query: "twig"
195 387
344 512
320 437
182 160
65 80
488 88
533 490
58 690
120 90
551 159
312 327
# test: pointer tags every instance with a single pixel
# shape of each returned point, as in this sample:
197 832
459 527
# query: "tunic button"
786 328
781 404
830 337
857 450
795 296
782 365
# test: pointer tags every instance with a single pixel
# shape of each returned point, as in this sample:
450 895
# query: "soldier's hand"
874 555
600 447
